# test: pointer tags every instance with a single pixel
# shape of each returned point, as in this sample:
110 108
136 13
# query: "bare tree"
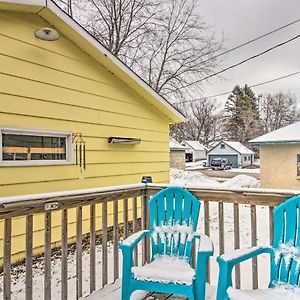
204 122
179 51
278 110
66 5
164 41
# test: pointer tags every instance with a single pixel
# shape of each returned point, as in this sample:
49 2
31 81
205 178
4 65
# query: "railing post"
145 222
207 232
7 260
116 238
47 255
253 244
29 232
236 222
104 243
79 252
92 247
64 254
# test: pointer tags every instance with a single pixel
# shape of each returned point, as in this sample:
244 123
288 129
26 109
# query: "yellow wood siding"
57 86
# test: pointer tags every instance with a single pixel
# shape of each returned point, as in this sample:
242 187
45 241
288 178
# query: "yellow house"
280 158
72 116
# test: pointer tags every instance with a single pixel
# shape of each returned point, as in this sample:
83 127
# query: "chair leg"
200 282
224 281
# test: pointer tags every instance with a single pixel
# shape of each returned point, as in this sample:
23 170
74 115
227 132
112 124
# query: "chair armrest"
240 255
134 239
205 245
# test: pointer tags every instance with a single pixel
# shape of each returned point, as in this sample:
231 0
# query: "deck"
113 292
85 266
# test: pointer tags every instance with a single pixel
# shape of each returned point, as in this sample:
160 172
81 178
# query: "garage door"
232 158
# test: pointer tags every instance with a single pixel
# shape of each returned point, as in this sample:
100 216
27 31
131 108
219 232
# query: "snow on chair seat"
277 293
166 269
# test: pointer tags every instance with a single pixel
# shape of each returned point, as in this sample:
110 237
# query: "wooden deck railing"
122 210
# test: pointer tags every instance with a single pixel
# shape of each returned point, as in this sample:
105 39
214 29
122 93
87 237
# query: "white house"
195 151
238 154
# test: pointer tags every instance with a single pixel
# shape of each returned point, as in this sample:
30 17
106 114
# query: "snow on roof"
285 135
196 145
239 147
174 145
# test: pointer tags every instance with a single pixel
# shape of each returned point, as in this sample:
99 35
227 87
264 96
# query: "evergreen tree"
242 115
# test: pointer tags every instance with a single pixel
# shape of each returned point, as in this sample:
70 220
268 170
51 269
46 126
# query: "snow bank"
185 178
240 181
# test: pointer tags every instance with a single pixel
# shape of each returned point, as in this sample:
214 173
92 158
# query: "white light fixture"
47 34
123 140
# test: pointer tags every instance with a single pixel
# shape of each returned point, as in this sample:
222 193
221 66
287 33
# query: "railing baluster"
116 239
79 252
47 255
221 227
7 260
125 217
236 221
64 254
271 223
28 280
144 226
104 244
135 226
253 244
92 248
207 232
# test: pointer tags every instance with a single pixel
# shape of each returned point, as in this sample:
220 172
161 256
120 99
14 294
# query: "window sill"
34 163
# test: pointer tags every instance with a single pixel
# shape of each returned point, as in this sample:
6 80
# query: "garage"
239 155
232 158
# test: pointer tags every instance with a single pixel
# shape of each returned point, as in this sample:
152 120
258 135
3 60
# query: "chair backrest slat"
286 265
174 216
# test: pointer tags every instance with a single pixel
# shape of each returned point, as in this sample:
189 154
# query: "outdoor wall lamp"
47 34
122 140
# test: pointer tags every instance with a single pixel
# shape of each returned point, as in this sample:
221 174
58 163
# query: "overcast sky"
243 20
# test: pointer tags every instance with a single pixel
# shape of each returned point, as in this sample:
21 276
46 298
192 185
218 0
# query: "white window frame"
23 131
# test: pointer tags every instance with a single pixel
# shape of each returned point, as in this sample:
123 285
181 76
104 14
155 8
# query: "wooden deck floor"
113 292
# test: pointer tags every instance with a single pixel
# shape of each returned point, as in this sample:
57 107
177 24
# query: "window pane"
33 147
298 165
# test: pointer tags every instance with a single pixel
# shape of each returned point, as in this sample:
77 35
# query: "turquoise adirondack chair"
285 253
174 216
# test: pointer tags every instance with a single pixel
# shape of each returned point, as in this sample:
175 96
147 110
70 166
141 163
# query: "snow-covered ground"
185 178
238 170
179 178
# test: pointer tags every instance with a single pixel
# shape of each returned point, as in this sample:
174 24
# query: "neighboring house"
238 154
280 157
177 155
71 101
195 151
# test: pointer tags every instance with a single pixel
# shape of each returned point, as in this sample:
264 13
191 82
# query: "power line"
243 61
251 41
251 86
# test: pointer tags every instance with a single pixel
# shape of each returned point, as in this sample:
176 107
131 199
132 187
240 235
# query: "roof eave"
257 143
68 27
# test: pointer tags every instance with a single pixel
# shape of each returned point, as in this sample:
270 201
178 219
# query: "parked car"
220 164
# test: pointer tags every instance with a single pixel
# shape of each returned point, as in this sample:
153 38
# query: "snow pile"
280 292
241 181
166 269
189 178
184 178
